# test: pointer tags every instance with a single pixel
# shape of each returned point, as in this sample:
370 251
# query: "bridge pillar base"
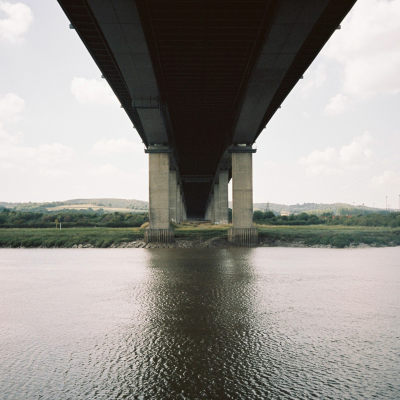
159 235
243 236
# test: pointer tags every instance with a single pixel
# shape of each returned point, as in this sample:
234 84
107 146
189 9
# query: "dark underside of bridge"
211 60
203 53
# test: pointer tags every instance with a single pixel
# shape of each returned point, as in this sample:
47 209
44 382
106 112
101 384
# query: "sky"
63 134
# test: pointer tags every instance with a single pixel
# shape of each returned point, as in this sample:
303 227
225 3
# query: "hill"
315 208
132 205
106 204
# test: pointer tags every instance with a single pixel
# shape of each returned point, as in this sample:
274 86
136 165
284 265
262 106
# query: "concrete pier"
216 203
207 215
212 209
184 216
173 209
159 196
223 197
242 232
178 204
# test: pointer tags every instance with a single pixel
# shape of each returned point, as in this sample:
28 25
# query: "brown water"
265 323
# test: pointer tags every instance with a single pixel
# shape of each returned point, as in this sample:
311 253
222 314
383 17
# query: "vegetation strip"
70 219
333 236
102 230
338 236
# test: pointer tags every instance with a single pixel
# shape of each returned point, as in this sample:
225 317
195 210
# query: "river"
263 323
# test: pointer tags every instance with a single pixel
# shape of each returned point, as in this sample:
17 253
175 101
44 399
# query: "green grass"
98 237
336 235
200 231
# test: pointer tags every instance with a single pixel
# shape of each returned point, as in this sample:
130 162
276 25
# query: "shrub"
341 241
107 243
49 243
59 242
99 243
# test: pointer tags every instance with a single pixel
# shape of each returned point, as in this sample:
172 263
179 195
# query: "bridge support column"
178 204
207 215
159 186
212 209
173 209
184 216
223 196
216 203
243 231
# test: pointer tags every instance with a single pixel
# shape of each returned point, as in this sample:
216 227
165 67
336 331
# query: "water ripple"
200 324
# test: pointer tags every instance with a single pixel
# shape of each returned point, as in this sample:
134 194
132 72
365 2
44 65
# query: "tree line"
70 219
391 220
89 218
269 218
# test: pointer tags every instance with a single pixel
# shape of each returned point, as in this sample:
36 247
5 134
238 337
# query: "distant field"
93 207
335 236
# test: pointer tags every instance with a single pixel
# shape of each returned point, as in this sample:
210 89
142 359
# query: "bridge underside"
203 53
199 77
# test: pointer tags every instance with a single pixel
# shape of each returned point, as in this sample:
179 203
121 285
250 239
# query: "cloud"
26 157
314 79
18 19
337 105
11 106
115 146
305 114
385 178
368 48
92 91
349 173
111 171
353 157
13 153
54 173
104 170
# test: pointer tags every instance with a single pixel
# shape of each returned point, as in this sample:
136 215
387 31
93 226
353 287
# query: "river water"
264 323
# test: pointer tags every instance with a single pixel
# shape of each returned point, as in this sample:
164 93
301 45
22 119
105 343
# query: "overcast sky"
63 136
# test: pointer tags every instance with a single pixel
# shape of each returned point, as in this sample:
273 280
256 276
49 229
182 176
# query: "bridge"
200 80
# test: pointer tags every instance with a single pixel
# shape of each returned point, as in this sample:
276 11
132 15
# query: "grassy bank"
97 237
335 236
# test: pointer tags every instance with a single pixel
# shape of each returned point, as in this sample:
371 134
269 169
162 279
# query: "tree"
269 215
303 216
258 215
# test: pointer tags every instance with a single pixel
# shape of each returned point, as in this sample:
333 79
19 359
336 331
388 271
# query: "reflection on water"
199 323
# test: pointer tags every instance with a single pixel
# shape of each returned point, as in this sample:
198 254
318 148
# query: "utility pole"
386 205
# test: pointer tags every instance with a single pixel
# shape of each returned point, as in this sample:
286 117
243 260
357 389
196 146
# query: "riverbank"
201 236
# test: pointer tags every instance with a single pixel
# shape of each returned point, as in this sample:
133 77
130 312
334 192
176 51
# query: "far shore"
202 236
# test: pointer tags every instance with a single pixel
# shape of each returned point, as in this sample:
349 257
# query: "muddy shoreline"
214 243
